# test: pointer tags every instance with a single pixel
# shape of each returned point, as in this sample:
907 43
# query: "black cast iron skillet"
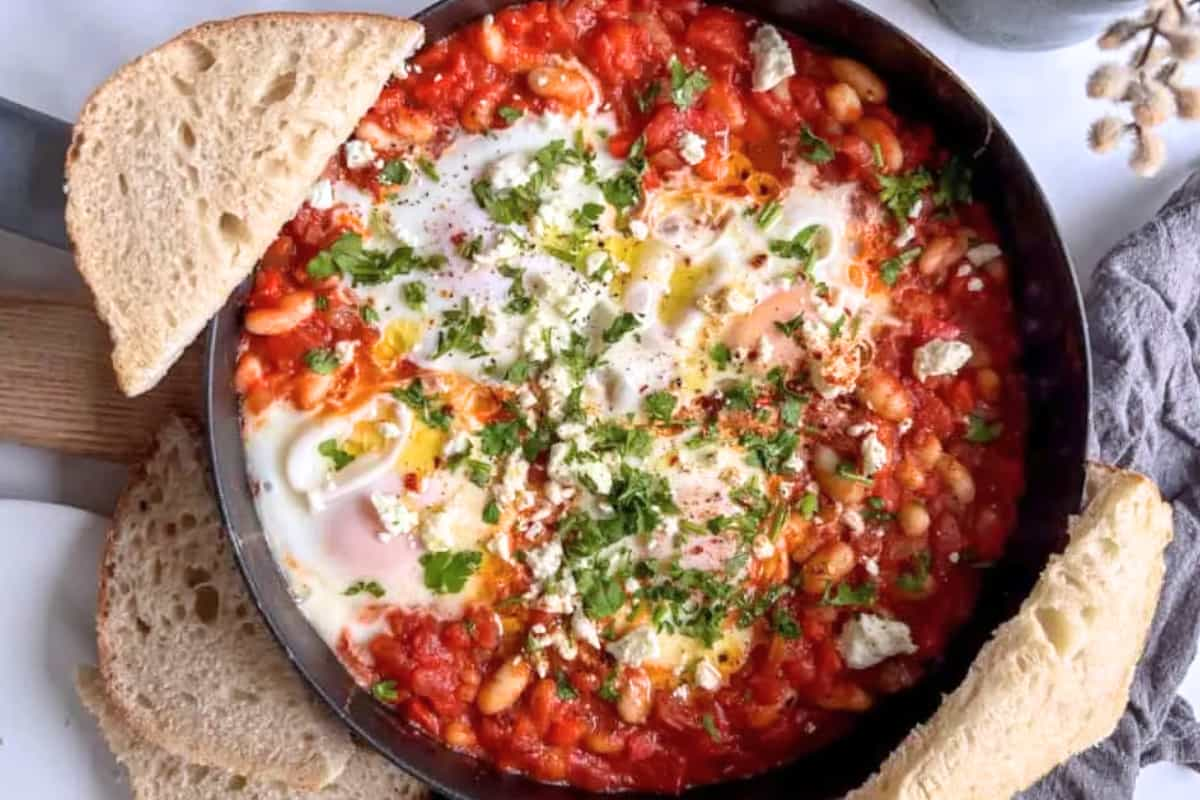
1055 363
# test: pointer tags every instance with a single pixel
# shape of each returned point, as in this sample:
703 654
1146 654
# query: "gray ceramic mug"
1033 24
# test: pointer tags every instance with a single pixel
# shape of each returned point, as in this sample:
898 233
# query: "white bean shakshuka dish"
635 399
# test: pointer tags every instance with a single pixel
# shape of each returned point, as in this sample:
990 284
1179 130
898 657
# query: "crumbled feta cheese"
516 472
436 531
396 517
953 558
560 596
772 58
640 644
736 300
514 169
871 566
708 677
963 270
861 429
595 262
632 585
940 357
874 455
975 285
344 350
981 254
558 493
457 444
584 629
556 386
501 546
915 211
544 326
905 236
388 430
766 350
905 425
502 248
545 561
681 692
358 153
565 646
691 147
762 547
320 196
638 229
854 521
869 639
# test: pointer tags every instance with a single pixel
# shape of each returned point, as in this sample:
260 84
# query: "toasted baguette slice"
184 654
1055 679
155 774
186 162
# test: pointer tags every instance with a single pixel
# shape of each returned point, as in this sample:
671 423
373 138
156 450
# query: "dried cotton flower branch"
1164 37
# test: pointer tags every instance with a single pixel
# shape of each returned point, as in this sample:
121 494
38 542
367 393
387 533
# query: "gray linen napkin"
1144 322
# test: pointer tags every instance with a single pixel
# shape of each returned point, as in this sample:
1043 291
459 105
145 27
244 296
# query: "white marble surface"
55 51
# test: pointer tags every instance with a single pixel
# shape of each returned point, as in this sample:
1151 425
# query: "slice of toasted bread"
184 654
1054 679
155 774
186 162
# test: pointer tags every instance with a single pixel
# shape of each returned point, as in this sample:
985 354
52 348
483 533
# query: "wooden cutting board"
59 390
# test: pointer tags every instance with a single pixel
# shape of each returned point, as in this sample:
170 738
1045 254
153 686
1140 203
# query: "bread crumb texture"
185 657
184 165
1055 678
155 774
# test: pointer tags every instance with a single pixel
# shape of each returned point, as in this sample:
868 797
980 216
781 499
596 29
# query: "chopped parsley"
769 214
954 183
770 453
660 406
365 587
624 190
510 114
901 193
789 327
645 98
469 248
815 149
877 155
800 247
447 571
385 691
479 472
340 458
608 689
785 624
835 327
426 166
414 295
395 173
809 505
461 331
321 302
846 471
620 326
602 596
518 204
321 360
500 438
519 301
710 727
720 354
876 511
369 314
491 513
611 437
889 270
913 580
563 687
368 267
686 85
844 594
435 416
980 431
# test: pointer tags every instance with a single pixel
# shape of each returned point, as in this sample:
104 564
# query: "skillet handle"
33 151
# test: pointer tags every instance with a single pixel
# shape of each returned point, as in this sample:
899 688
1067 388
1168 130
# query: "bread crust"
1054 679
181 174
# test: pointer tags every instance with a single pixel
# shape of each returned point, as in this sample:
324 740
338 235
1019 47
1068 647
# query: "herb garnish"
447 571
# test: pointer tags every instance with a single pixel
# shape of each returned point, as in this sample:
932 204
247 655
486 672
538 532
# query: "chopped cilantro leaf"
914 580
784 624
954 183
369 314
789 327
563 687
461 331
321 360
889 270
340 458
710 727
469 248
491 513
791 410
686 85
608 689
322 303
510 114
426 166
846 471
800 247
770 453
980 431
368 587
901 193
479 472
769 214
720 355
414 295
620 326
368 267
660 406
844 594
624 190
385 691
809 505
435 416
835 327
446 571
519 301
395 172
877 155
645 98
816 150
500 438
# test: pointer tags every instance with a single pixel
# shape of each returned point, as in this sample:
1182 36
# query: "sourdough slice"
155 774
186 162
1055 679
185 656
